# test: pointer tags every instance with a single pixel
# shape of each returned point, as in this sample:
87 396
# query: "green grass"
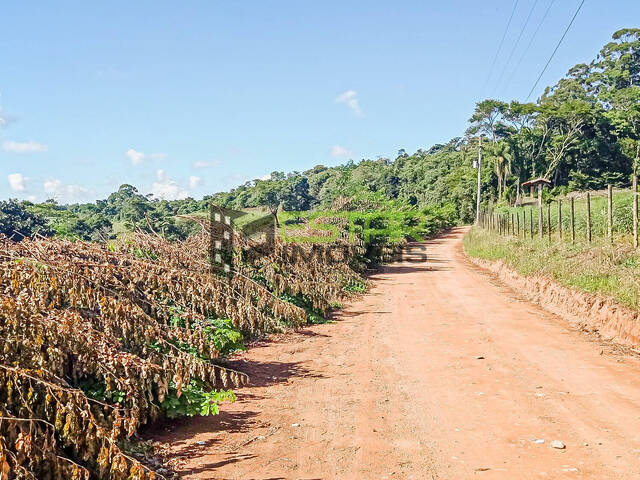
252 215
609 270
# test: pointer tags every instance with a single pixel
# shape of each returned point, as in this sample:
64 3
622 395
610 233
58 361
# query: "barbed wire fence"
583 222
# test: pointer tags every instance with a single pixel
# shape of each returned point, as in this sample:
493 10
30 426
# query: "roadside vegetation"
609 270
99 339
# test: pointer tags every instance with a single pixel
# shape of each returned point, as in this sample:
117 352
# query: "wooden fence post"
531 222
573 221
540 222
560 219
610 213
549 220
513 224
518 219
589 218
635 210
524 223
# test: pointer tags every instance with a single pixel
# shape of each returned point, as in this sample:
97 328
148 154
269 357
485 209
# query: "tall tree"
502 156
487 118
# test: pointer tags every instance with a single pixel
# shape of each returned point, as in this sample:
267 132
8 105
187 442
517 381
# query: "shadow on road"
264 374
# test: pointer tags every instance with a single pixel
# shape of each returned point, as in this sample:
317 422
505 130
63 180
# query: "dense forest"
582 133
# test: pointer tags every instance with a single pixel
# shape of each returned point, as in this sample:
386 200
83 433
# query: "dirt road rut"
437 373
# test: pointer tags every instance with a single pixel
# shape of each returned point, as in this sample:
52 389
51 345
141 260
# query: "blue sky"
194 97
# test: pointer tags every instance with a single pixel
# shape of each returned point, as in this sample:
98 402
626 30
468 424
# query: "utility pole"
479 179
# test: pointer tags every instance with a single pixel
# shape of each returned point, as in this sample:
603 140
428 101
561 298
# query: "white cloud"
17 182
138 157
204 164
194 181
167 189
338 151
350 99
135 157
161 175
5 119
64 192
24 147
265 177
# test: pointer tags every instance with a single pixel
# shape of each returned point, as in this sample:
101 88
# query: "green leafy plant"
226 338
194 400
314 316
356 287
98 391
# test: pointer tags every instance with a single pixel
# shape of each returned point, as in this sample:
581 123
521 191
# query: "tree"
486 118
501 153
269 194
16 222
566 122
625 118
295 194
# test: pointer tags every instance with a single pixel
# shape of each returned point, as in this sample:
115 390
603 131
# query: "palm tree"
503 157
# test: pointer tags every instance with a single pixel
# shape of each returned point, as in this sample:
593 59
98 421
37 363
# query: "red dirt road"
397 389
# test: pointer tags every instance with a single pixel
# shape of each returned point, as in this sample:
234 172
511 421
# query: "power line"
504 35
535 33
556 49
515 45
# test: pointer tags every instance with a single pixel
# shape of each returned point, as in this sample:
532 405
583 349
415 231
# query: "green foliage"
390 225
16 222
314 316
356 287
143 254
87 224
98 391
226 338
194 400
